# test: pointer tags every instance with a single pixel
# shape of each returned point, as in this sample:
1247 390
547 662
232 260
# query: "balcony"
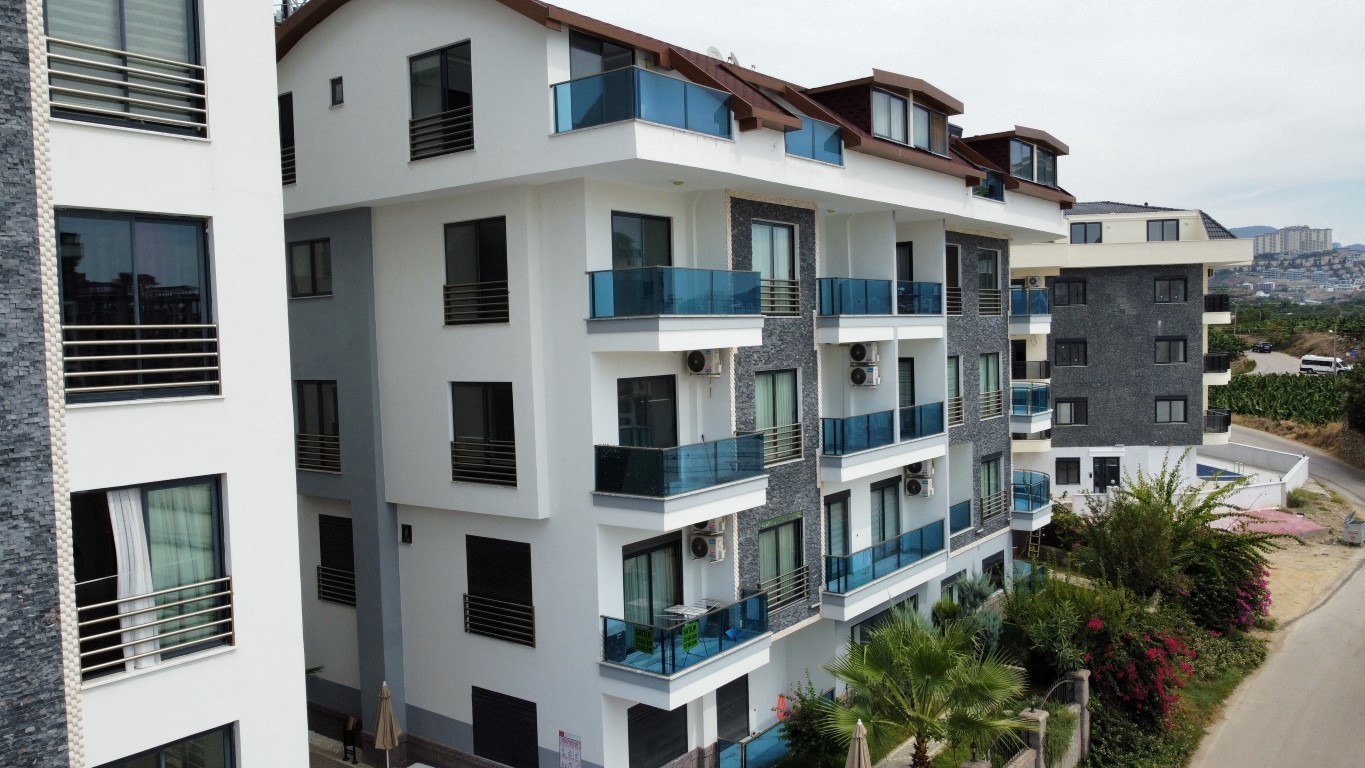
130 362
1031 370
441 134
128 633
817 140
1030 407
860 446
1032 506
1217 368
318 453
960 516
1217 426
1031 442
764 749
670 309
878 574
483 460
664 489
854 310
686 654
115 87
1217 309
1029 312
632 93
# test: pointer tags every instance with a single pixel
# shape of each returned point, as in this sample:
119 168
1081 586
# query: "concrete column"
1082 678
1036 737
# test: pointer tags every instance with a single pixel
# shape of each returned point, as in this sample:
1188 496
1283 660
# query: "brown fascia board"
1065 200
931 95
1029 134
290 31
750 117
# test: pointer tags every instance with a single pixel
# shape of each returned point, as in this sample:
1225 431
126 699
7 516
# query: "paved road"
1304 706
1329 470
1274 362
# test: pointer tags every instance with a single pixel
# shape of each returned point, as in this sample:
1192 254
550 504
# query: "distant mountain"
1251 231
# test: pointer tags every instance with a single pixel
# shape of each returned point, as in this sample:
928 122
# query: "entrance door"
646 411
954 260
653 578
905 262
1106 472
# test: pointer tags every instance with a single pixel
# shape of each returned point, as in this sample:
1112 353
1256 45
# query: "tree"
1222 341
932 683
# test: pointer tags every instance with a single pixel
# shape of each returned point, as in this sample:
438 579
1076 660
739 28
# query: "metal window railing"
483 460
475 303
318 453
1217 302
992 404
664 472
845 573
112 85
921 420
839 436
1032 490
1038 370
674 643
960 516
952 301
780 297
780 443
1217 420
1217 362
288 167
336 585
994 505
441 133
956 409
1028 398
788 589
490 617
130 361
990 301
137 631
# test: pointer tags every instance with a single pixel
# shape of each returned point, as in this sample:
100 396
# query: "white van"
1321 364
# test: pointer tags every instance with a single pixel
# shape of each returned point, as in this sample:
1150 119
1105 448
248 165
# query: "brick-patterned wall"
853 104
995 150
1353 447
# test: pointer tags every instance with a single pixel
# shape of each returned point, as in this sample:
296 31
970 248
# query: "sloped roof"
1214 230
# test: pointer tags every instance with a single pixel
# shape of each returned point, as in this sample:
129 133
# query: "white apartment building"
145 277
630 384
1293 241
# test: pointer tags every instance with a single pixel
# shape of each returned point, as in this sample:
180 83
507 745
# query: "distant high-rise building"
1292 241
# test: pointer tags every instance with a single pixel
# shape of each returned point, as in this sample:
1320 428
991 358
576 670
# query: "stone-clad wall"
788 342
33 707
969 337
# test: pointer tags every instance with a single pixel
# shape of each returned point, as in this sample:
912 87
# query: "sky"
1252 110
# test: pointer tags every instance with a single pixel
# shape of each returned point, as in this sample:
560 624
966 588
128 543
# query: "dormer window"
590 55
931 130
1033 163
888 117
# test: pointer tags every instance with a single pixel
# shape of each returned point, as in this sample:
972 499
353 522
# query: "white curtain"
784 395
134 576
763 401
837 525
180 535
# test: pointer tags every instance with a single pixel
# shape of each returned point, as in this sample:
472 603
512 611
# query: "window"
338 92
994 568
147 278
989 487
652 578
484 448
1170 410
905 375
1087 232
1069 352
888 117
499 603
476 272
1047 167
590 55
1170 350
336 560
931 130
1163 229
640 241
954 404
1033 163
1170 290
774 248
1021 160
776 415
837 524
905 261
139 58
1068 293
647 411
505 729
211 749
310 268
732 710
164 539
1070 411
992 187
862 631
1068 471
988 385
442 102
655 737
886 510
318 436
988 270
779 554
288 163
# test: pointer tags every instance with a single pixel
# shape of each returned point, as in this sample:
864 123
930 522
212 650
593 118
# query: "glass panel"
665 590
784 397
322 267
708 111
85 21
585 55
762 245
662 99
182 542
768 567
1047 168
158 28
989 370
667 472
954 377
170 268
427 94
459 86
647 411
97 270
492 250
921 127
829 147
906 381
764 416
938 133
987 270
836 527
881 114
300 269
1021 160
308 408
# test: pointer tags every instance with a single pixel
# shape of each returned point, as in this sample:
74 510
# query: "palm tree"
931 683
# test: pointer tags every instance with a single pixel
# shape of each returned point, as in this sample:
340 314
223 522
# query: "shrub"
1222 341
1138 669
1061 724
945 610
810 744
1300 497
1118 742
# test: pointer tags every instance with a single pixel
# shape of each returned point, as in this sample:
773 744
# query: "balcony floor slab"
884 591
849 329
1023 520
1030 325
1031 446
852 466
671 692
1217 379
1029 424
673 512
674 333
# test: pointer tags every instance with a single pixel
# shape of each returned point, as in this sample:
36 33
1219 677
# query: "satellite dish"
713 51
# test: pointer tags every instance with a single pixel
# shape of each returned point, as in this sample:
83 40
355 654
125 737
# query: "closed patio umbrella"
386 732
858 756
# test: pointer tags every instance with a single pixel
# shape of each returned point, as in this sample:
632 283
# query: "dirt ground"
1301 573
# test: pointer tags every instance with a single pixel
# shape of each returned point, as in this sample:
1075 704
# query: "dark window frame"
339 557
1035 152
483 301
319 253
1172 399
669 541
229 748
1091 232
1080 411
1165 227
845 498
905 115
288 168
582 41
645 257
929 144
1068 470
648 382
880 487
486 397
337 91
1172 344
303 421
500 584
1065 292
493 736
1077 353
1169 283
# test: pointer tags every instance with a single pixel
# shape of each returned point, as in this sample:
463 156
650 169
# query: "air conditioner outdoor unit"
864 353
864 376
1034 282
703 362
922 487
708 547
710 526
920 469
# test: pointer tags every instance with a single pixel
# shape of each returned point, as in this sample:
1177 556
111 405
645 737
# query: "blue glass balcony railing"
632 93
854 296
1030 399
1028 301
856 433
921 420
669 647
816 140
960 516
760 750
845 573
646 291
664 472
1032 490
919 298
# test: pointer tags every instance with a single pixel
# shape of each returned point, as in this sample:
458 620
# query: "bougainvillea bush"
1139 668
